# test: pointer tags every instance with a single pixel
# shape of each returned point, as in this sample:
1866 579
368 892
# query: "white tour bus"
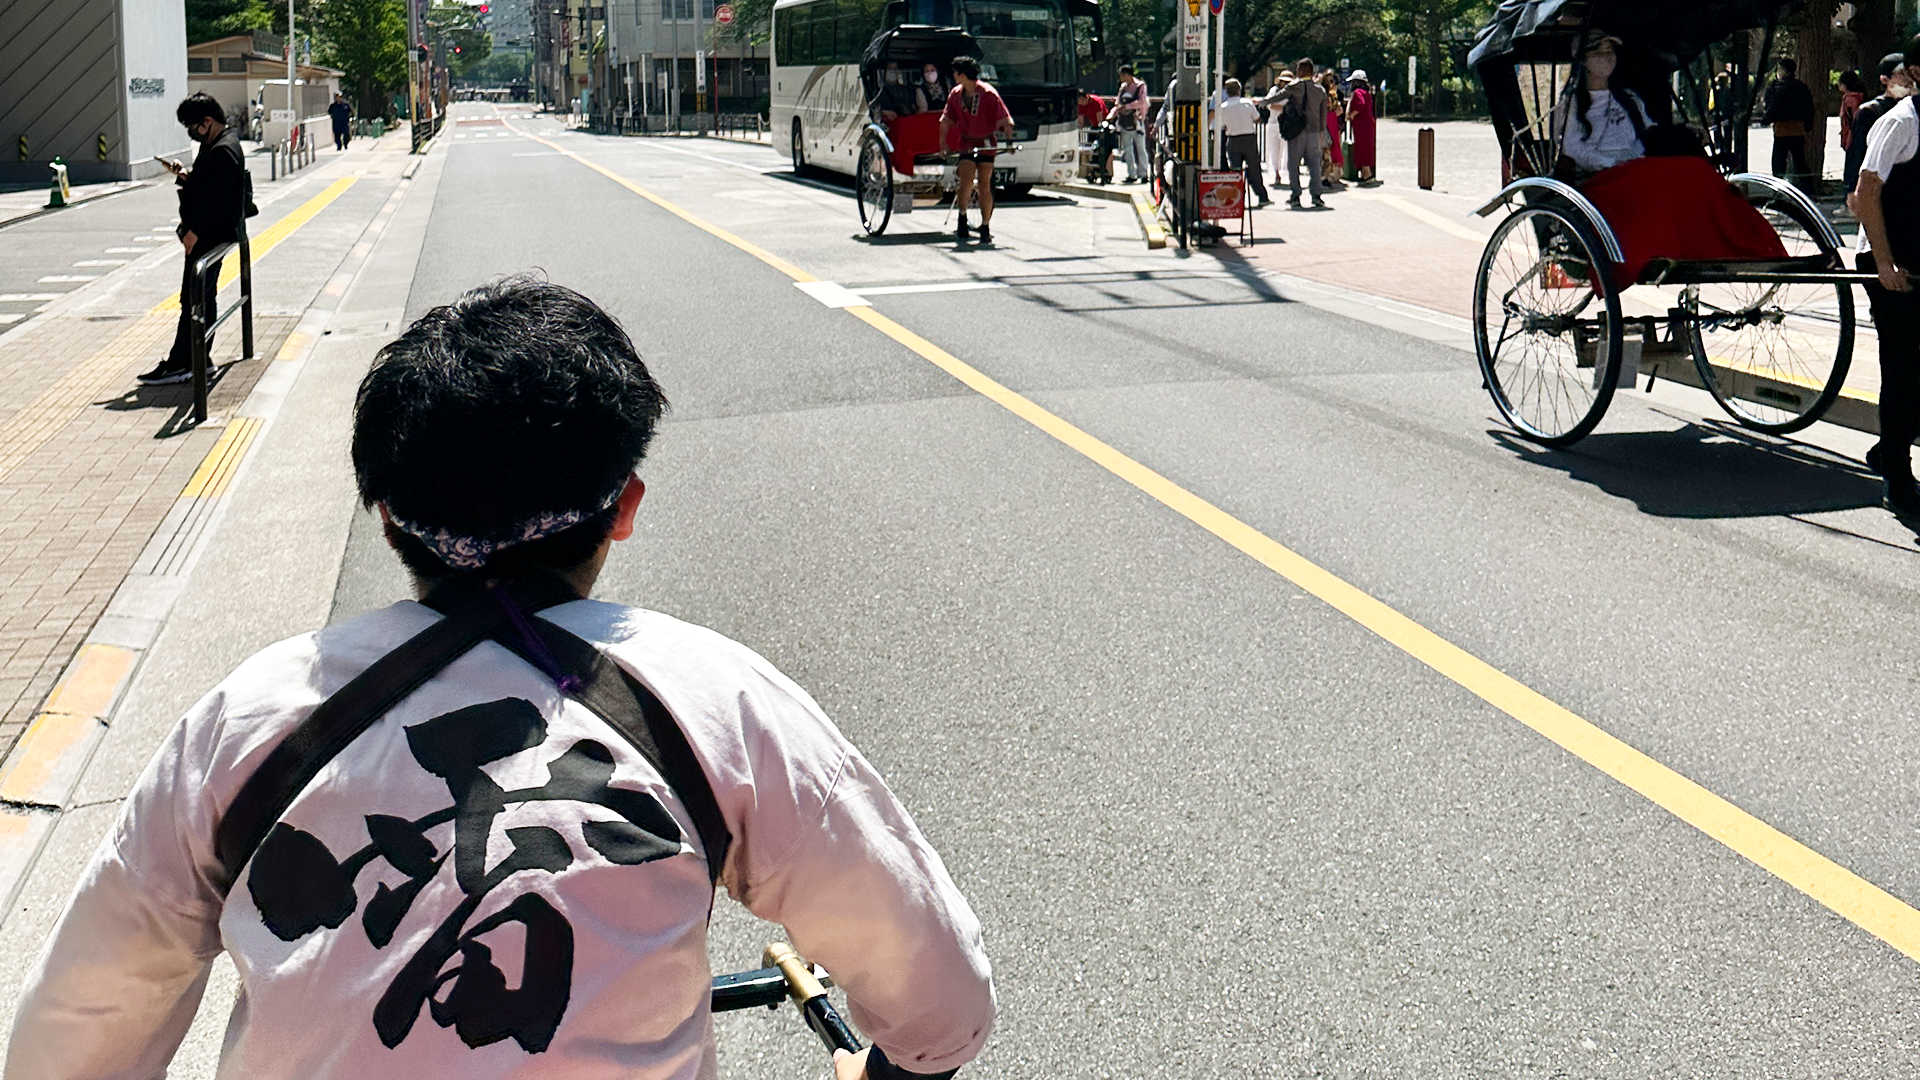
1031 51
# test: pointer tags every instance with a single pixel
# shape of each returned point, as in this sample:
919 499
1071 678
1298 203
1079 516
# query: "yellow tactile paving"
216 471
37 421
50 749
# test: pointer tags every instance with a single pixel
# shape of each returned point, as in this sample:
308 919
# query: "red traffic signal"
484 9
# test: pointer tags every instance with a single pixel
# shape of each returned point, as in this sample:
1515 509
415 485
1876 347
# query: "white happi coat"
561 932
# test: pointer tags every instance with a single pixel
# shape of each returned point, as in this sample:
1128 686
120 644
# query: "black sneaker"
165 375
1903 499
986 234
963 230
1873 459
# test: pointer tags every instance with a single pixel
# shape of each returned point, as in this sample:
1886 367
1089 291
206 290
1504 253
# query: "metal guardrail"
424 131
203 329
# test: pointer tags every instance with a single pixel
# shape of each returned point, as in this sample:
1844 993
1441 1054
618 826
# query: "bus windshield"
1022 42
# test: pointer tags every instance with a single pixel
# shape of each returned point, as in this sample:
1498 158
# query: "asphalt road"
1213 825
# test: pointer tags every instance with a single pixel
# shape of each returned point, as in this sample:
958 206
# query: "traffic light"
484 9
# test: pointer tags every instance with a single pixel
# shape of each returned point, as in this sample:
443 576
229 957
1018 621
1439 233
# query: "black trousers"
1243 152
1791 150
1896 320
182 353
340 138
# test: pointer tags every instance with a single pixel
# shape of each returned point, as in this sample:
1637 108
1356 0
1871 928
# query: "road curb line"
1154 233
39 777
44 211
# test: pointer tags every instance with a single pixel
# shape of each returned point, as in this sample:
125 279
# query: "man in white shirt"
478 835
1886 199
1238 121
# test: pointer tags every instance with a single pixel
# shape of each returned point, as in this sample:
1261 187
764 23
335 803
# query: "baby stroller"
1105 140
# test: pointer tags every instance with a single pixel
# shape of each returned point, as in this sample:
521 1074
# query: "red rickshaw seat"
913 136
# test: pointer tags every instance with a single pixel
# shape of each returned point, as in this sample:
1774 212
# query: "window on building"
233 65
199 65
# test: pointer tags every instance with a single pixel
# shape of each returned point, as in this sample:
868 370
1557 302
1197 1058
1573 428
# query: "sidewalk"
104 478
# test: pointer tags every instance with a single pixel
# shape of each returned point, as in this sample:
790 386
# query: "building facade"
93 82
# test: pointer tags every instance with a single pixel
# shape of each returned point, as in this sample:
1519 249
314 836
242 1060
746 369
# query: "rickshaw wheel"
1546 325
1773 354
874 181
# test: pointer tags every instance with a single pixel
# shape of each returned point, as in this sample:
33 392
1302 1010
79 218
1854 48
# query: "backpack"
1293 118
1128 117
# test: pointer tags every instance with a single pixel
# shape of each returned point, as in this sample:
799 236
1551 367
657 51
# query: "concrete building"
651 51
93 82
249 67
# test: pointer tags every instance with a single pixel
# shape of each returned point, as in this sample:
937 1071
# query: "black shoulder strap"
614 695
472 615
339 720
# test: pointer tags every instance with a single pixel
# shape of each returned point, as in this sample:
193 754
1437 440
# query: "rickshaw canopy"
1673 31
911 46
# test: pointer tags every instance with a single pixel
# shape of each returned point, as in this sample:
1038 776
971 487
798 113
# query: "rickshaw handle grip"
811 997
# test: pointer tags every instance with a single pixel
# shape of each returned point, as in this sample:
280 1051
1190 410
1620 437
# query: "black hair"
966 65
1911 56
1850 80
1126 69
1789 66
1627 99
199 106
1891 64
521 397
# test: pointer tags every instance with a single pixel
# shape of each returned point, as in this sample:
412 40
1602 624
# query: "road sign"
1193 30
1216 5
700 70
723 14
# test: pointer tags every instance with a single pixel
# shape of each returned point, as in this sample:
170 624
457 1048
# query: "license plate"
1002 177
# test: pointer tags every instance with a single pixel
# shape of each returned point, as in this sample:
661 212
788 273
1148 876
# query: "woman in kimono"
1360 123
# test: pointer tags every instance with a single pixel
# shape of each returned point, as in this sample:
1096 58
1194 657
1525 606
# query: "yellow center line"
1847 894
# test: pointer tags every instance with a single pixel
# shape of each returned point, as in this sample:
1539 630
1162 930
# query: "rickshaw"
901 164
1554 316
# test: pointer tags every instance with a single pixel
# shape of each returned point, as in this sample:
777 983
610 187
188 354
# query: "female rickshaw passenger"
1651 182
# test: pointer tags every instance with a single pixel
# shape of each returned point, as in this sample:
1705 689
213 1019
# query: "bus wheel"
799 152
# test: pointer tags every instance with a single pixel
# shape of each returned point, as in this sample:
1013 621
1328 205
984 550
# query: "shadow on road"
1708 470
177 398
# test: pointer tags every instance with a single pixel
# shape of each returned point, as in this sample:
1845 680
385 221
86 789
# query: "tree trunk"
1434 61
1814 51
1873 27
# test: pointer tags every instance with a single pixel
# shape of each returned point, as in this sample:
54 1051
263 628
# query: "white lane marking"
8 320
832 294
949 286
130 251
155 239
835 295
29 297
103 262
63 279
755 169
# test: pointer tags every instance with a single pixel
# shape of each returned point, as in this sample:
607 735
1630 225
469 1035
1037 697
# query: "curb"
39 777
133 185
1154 233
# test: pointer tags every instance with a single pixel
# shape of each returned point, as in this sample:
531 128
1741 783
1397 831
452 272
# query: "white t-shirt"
1614 138
510 892
1238 116
1892 142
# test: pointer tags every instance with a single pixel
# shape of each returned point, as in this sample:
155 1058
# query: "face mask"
1600 66
1898 90
932 76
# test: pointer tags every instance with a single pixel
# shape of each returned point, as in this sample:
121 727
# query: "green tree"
211 19
1422 28
457 37
366 39
501 69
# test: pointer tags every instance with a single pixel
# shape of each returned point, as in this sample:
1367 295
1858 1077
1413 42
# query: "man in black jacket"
1790 111
212 199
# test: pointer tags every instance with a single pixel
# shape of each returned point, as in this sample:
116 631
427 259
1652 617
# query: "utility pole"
293 112
700 66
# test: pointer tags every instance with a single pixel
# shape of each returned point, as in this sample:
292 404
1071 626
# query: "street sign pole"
1214 149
